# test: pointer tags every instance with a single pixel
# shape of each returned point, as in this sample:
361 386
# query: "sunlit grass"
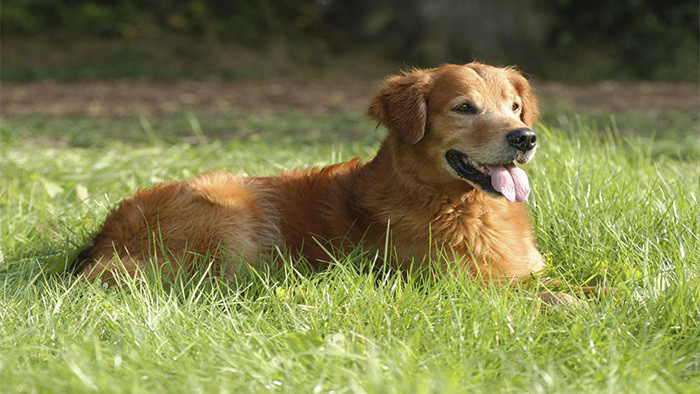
608 208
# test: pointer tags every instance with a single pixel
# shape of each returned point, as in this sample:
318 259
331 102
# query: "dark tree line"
644 38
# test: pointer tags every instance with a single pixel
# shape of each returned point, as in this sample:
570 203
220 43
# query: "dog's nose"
522 139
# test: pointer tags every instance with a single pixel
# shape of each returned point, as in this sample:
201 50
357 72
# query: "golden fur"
408 187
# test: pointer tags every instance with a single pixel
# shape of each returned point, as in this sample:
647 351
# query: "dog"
445 183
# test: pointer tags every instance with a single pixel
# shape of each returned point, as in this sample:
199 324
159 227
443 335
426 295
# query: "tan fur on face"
492 92
409 186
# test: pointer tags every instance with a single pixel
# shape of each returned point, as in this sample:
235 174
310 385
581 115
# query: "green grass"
609 207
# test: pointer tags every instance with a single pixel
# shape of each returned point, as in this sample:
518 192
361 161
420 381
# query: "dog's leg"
597 292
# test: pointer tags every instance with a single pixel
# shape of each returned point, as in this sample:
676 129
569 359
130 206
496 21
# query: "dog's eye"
516 107
465 109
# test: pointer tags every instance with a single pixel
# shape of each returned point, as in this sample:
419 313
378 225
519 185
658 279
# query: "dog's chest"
459 225
499 241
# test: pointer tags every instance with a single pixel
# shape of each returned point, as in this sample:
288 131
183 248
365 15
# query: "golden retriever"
444 181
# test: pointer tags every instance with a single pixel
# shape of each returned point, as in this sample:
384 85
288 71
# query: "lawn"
609 206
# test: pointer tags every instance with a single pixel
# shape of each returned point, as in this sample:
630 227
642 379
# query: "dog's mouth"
505 180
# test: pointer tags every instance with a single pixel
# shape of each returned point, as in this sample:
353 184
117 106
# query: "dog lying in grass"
445 181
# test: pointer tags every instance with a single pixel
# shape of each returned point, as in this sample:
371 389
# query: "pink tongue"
511 181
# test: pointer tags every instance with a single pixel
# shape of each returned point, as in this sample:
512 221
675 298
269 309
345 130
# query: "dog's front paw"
555 299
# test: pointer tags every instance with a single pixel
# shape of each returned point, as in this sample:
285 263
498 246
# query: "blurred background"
636 59
570 40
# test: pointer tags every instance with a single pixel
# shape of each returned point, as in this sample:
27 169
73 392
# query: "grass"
609 207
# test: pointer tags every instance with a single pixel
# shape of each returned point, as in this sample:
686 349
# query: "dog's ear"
529 111
401 105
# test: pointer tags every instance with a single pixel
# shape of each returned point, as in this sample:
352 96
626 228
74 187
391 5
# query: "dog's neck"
389 176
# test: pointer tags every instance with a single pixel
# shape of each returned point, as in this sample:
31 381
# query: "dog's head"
470 122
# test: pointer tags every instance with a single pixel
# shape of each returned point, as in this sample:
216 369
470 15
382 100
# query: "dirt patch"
128 97
150 98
